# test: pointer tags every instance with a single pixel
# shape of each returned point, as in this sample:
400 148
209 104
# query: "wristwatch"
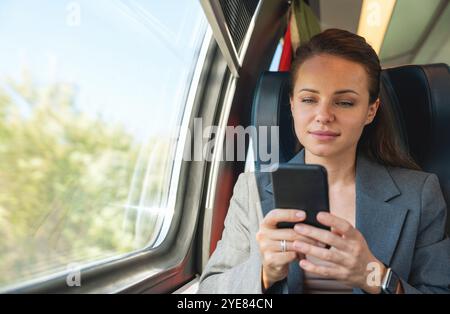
390 282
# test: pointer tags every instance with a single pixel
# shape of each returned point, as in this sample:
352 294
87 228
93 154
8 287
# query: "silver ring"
283 245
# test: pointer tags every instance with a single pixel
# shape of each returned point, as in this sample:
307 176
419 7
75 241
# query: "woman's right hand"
275 262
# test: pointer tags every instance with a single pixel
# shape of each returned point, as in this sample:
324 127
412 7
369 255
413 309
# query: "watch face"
392 282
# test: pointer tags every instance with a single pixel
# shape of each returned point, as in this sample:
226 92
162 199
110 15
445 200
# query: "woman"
387 217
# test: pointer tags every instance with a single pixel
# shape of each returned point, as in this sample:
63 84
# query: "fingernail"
302 263
299 228
300 214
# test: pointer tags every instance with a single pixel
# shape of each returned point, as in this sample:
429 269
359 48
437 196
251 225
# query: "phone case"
300 186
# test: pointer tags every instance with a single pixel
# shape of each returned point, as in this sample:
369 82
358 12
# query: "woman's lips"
324 135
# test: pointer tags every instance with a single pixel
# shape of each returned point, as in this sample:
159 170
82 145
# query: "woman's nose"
324 114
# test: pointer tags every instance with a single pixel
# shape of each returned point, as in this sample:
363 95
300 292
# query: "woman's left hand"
349 258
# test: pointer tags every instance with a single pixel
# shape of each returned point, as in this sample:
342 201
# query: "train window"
91 97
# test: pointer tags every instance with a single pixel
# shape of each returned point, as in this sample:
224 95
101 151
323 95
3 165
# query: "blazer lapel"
378 221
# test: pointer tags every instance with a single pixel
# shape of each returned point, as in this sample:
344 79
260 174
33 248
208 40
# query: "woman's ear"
373 108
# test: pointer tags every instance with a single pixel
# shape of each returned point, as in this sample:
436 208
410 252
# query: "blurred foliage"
65 179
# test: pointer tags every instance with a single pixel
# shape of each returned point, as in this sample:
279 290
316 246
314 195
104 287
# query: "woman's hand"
276 262
349 258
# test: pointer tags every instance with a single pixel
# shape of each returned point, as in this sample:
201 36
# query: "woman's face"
330 105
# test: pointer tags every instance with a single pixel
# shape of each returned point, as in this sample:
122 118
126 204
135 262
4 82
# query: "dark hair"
379 140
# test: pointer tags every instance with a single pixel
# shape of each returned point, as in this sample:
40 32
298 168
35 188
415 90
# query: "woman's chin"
321 150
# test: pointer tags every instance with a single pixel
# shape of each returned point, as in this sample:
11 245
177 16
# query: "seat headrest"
420 96
271 108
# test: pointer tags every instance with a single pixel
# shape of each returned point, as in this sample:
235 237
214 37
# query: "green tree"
65 180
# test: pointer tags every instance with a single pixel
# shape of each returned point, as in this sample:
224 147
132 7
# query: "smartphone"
301 186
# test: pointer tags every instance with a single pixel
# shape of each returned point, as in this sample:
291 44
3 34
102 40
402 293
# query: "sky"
131 61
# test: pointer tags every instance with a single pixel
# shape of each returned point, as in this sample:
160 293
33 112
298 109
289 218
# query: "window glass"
91 94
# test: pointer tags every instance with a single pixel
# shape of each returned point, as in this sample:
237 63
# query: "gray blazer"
400 212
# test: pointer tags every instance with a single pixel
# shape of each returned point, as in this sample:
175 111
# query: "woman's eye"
345 103
308 100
